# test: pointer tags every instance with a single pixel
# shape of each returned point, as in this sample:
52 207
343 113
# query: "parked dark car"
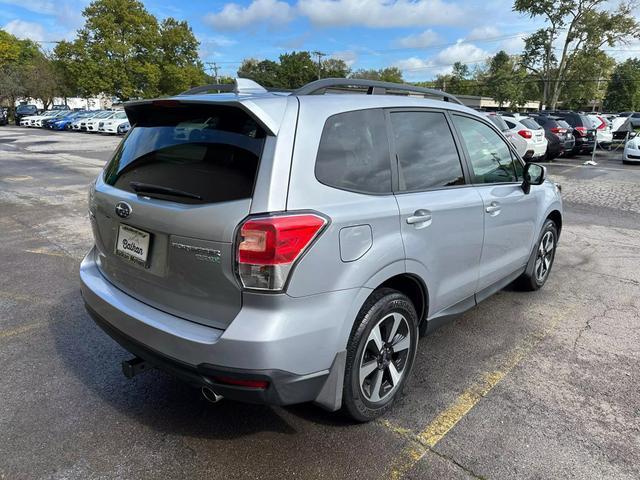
4 116
25 111
583 131
559 134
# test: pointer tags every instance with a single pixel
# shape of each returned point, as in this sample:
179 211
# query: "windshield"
209 152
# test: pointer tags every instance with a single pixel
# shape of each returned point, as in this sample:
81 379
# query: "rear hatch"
166 209
537 130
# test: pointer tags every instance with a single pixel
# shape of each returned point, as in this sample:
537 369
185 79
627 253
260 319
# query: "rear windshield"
530 123
189 154
498 122
563 124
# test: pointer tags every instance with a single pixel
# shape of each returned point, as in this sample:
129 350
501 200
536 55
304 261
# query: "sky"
421 37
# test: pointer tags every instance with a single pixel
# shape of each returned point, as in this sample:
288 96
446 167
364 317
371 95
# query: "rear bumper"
296 344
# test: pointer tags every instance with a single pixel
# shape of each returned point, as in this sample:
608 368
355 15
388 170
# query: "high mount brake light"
269 246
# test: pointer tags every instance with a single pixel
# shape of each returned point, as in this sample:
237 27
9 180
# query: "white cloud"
348 56
234 16
512 45
419 40
381 13
47 7
25 30
441 63
460 52
481 33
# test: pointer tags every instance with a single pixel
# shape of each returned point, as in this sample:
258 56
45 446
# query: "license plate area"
133 244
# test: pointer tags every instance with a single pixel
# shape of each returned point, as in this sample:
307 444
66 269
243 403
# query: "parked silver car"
285 248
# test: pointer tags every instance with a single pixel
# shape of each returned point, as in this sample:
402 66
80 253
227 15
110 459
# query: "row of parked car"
548 135
103 121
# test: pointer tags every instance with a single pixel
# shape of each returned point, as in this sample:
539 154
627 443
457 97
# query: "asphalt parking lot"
526 385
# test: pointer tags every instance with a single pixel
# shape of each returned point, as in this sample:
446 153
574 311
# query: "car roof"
269 107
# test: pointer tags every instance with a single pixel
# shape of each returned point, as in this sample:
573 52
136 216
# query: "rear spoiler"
268 112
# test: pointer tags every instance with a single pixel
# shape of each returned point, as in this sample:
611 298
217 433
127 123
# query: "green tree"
296 69
505 81
121 36
587 80
578 26
180 66
389 74
623 91
335 68
265 72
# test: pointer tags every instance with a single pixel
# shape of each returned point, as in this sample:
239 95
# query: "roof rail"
239 85
374 87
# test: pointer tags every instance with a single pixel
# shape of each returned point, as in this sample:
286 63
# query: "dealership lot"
540 385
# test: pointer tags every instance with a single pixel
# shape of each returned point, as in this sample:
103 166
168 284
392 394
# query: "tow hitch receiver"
133 367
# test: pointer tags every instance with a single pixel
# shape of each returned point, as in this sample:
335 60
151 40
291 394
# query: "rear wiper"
142 188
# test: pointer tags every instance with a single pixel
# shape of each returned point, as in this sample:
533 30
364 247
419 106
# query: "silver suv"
284 248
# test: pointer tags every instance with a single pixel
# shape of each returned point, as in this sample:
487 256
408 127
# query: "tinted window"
26 109
354 152
491 159
510 124
499 122
427 154
530 123
209 152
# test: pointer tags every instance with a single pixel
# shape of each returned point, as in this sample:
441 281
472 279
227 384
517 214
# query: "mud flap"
330 396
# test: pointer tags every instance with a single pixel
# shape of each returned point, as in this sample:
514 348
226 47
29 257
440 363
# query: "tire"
541 260
369 393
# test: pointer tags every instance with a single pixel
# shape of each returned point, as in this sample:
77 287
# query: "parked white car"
36 120
92 123
81 124
117 124
532 133
604 134
510 133
632 151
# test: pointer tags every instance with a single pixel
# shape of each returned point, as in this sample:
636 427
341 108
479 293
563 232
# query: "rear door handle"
493 208
420 217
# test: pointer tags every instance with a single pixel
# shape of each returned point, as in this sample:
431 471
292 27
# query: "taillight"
525 133
581 130
558 130
602 125
269 246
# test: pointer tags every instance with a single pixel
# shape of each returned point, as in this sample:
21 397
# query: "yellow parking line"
42 251
12 332
425 440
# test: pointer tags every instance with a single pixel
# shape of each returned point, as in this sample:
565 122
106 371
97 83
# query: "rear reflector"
269 246
258 384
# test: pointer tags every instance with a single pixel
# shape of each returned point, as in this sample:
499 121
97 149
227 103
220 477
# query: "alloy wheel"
544 256
384 358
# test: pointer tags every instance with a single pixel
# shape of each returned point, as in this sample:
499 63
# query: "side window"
354 152
491 158
427 154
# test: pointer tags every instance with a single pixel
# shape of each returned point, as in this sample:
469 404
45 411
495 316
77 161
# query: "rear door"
509 214
441 216
166 208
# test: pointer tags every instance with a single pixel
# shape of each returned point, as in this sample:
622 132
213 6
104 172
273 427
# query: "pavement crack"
458 464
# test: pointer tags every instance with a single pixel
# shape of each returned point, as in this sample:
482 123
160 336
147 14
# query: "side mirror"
534 174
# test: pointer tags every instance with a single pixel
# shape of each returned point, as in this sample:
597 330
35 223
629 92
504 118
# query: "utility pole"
213 66
319 55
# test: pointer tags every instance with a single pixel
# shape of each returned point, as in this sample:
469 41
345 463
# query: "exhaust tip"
210 395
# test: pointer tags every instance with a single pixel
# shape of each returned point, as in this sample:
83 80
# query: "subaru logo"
123 209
